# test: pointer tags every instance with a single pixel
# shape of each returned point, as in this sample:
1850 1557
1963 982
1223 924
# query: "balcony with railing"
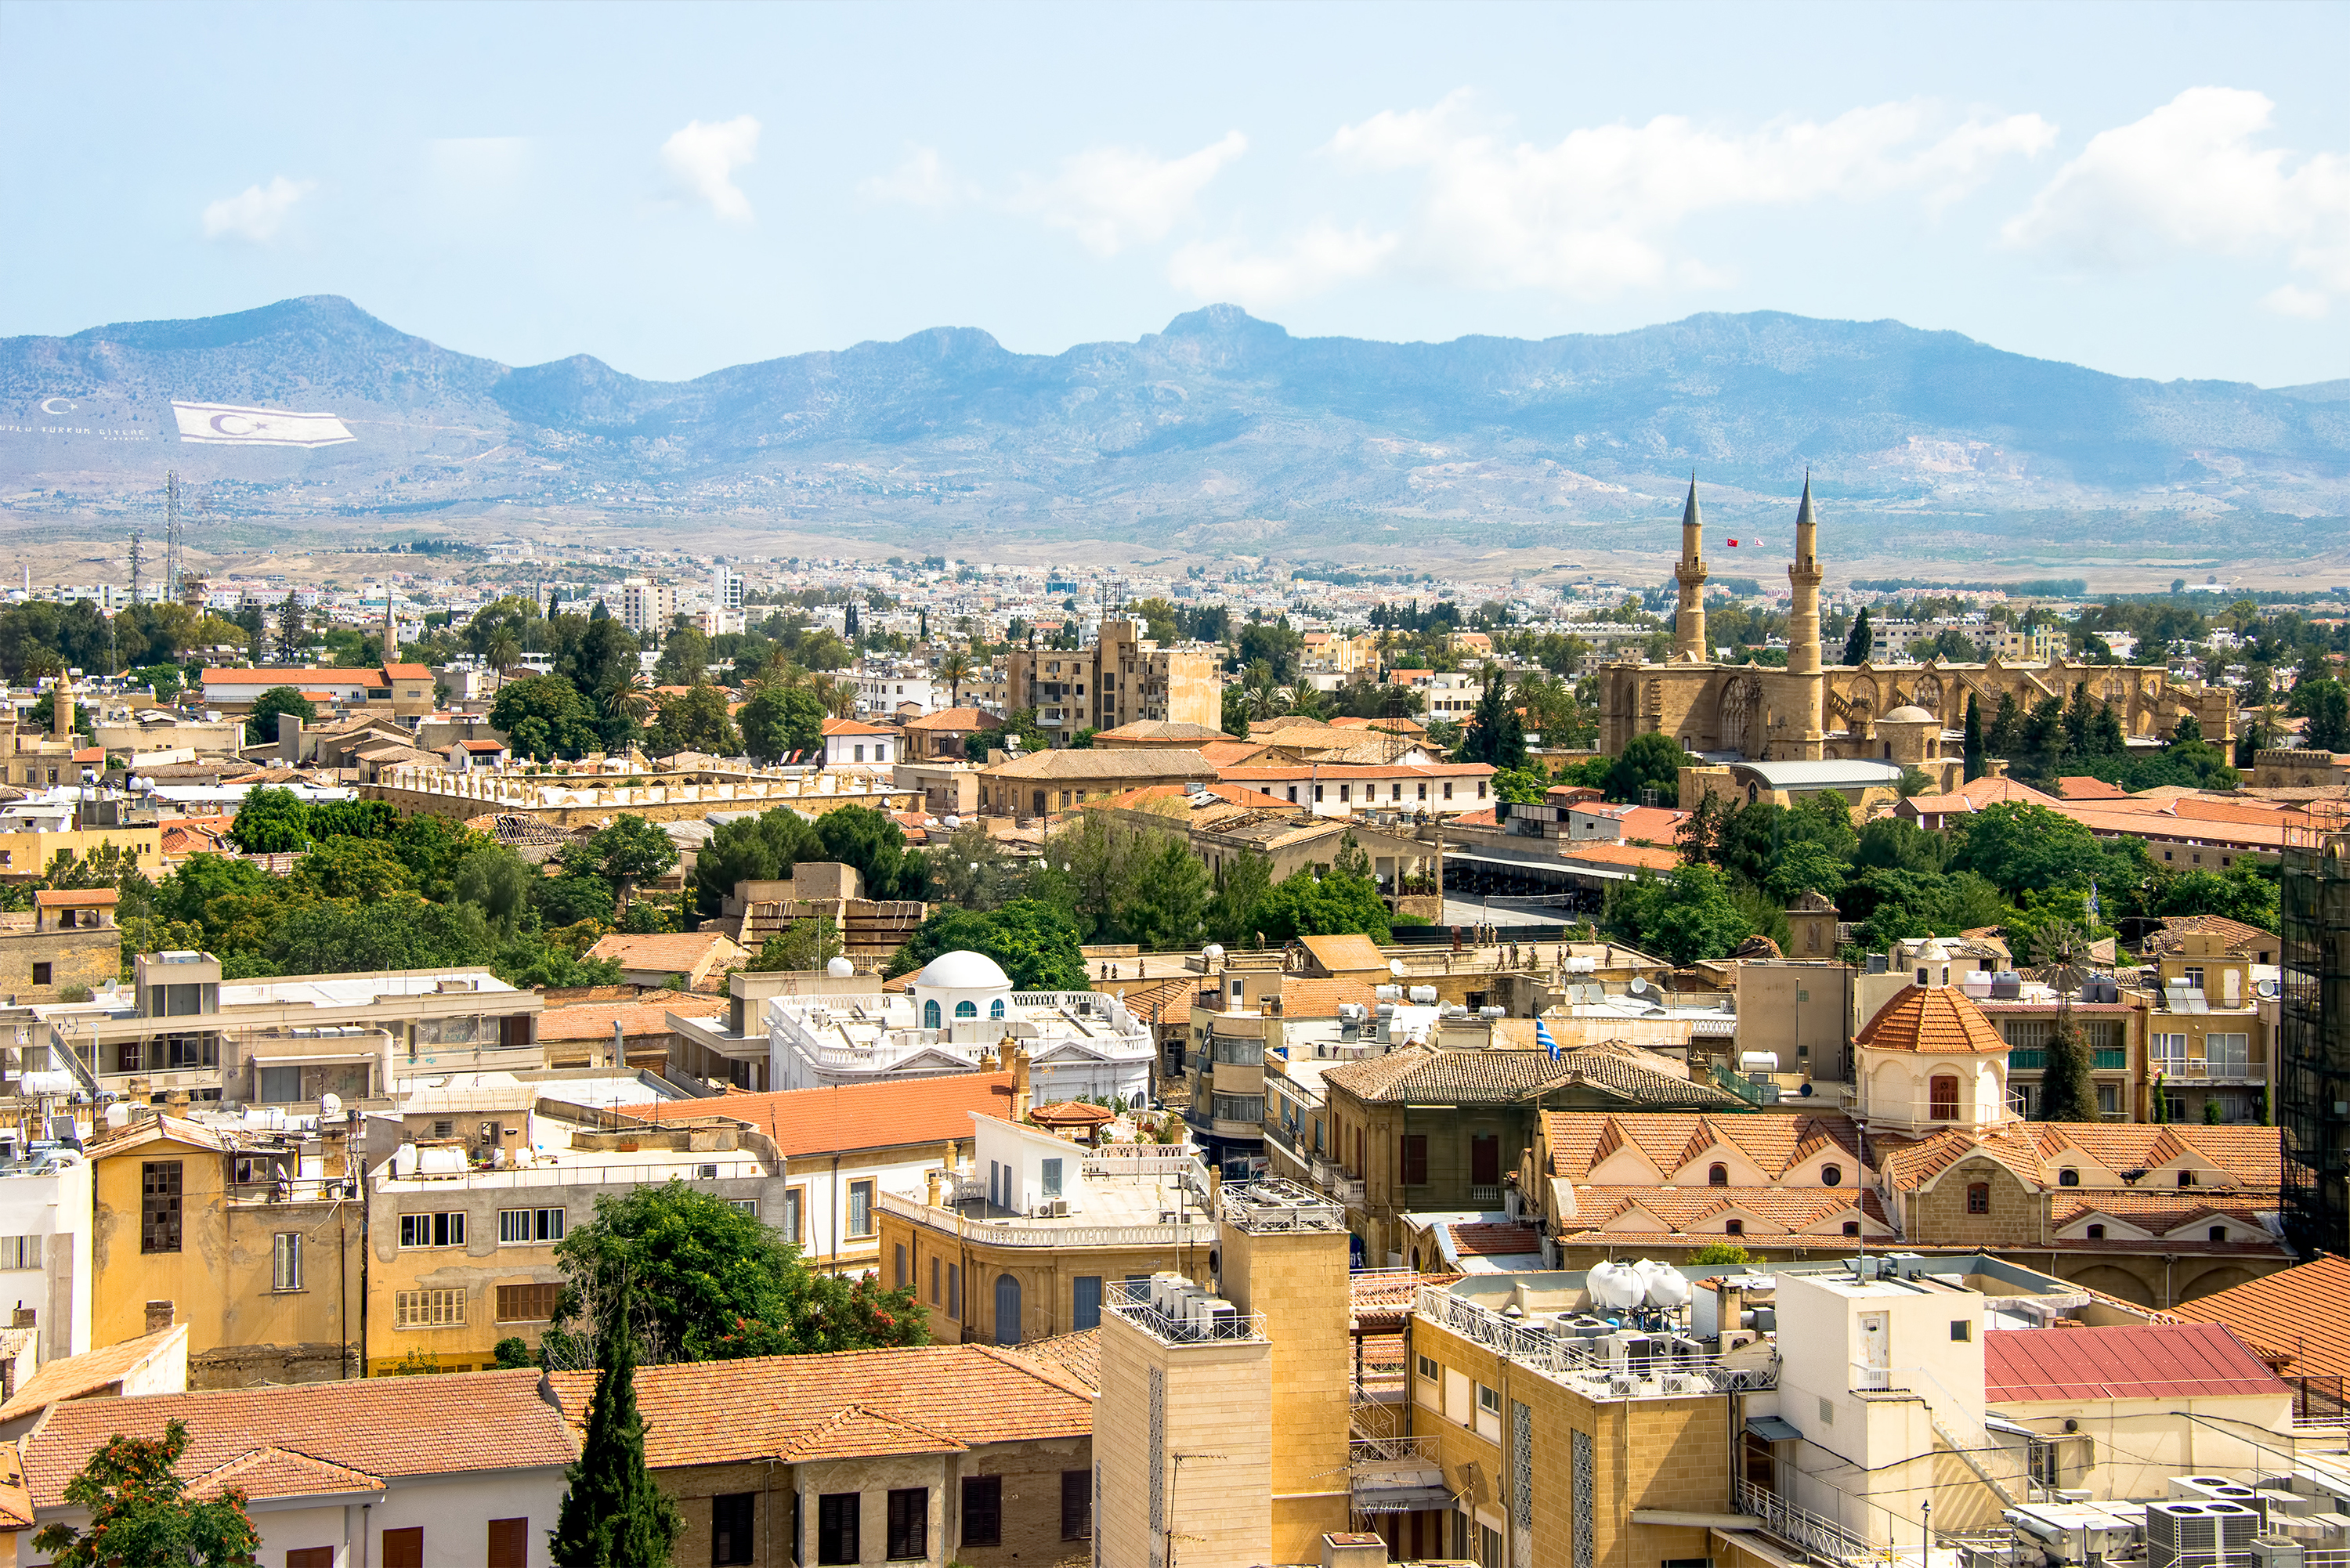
1396 1475
1601 1369
1178 1313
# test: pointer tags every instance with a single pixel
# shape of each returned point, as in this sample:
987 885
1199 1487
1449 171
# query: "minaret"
61 709
391 628
1804 577
1688 621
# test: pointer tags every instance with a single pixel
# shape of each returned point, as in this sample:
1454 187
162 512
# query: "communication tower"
170 538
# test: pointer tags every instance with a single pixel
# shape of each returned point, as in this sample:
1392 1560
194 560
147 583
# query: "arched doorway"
1007 1310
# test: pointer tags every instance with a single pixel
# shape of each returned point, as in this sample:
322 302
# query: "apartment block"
1122 678
646 606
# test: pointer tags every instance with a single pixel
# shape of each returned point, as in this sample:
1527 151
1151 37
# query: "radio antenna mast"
138 540
170 536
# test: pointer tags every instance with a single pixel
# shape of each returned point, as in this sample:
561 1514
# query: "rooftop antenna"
138 541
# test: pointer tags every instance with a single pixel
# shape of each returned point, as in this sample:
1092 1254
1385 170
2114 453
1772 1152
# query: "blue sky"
2152 190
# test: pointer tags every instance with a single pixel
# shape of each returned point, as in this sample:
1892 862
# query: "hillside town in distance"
531 1054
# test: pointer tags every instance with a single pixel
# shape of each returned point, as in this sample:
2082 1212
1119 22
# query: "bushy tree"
497 882
1036 943
2325 705
363 869
140 1515
333 936
713 1283
779 721
1685 917
542 717
1648 761
1860 641
261 722
1333 904
754 850
694 721
271 822
803 946
1243 883
631 850
872 842
1168 906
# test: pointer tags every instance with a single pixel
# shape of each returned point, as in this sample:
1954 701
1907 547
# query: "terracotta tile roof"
932 1400
1142 763
1303 998
2241 939
249 677
1481 1239
2299 1320
75 898
78 1377
1163 730
16 1503
1074 1360
1675 1143
2077 786
2178 1361
1498 1077
1703 1212
1932 1021
954 719
408 671
1598 852
854 727
1976 795
679 953
272 1471
855 1116
1340 955
594 1020
381 1426
2159 1212
2228 1162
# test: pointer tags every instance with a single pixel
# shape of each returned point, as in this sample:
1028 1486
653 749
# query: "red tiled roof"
676 952
1488 1240
954 719
2076 786
1344 952
273 1472
408 671
2299 1320
1932 1021
935 1398
459 1421
854 727
853 1116
2151 1361
75 898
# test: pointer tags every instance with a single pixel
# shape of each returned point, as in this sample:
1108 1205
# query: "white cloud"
257 213
702 159
1595 212
920 179
1322 256
2290 299
1113 197
2191 176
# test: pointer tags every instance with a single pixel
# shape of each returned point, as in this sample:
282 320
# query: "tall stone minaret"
1688 621
1803 577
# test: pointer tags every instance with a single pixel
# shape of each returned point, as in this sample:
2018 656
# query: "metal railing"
1392 1451
573 1171
1814 1533
1132 1300
1640 1376
1180 1226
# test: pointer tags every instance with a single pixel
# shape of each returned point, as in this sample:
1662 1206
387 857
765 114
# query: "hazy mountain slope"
1221 417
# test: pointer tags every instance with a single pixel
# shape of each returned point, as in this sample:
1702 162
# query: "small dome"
840 968
1908 713
1937 1020
964 972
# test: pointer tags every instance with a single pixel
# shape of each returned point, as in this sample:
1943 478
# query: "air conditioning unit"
708 1173
1686 1382
1624 1387
2208 1534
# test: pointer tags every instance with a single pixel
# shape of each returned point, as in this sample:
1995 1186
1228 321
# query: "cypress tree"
2067 1093
613 1515
1974 743
1860 639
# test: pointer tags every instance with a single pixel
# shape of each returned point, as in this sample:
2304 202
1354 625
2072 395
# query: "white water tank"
1661 1283
1423 995
1616 1285
1758 1061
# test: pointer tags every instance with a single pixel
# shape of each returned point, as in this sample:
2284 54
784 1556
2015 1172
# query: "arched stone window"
1942 1097
966 1010
995 1008
1717 1175
1734 1226
931 1013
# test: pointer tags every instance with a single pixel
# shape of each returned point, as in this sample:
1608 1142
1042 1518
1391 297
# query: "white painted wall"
58 1209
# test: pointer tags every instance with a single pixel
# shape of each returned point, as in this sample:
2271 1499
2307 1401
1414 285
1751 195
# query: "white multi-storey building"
725 590
647 606
960 1008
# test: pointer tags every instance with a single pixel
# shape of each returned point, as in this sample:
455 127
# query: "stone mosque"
1812 712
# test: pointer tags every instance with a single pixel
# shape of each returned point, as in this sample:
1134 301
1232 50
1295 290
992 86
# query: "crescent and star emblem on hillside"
245 426
49 406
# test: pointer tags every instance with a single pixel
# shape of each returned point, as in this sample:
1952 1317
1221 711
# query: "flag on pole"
1544 1038
2094 917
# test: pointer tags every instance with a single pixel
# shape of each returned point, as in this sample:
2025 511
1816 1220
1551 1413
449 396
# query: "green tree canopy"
694 721
872 842
334 937
754 849
778 720
714 1283
613 1515
271 822
542 717
1648 761
140 1515
1685 917
363 869
1036 943
1335 904
261 722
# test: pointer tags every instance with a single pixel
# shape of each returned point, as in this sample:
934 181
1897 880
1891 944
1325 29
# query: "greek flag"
2094 916
1544 1038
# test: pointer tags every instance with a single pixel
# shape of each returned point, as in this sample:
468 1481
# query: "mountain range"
1221 434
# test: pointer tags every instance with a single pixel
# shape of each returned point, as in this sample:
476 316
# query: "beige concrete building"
591 796
69 941
1050 783
1122 678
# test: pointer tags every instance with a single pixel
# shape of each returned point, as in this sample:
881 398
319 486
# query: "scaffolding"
2313 1063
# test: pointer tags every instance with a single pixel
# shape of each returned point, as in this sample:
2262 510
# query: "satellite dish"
1639 987
1395 967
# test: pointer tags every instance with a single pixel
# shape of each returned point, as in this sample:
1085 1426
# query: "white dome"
1910 713
840 968
964 972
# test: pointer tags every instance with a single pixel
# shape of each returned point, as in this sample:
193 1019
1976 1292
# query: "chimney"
159 1316
619 1045
931 1182
1019 1083
953 1159
22 1318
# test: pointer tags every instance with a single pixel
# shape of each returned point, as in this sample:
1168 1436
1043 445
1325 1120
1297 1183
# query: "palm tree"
954 669
505 650
634 701
839 696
